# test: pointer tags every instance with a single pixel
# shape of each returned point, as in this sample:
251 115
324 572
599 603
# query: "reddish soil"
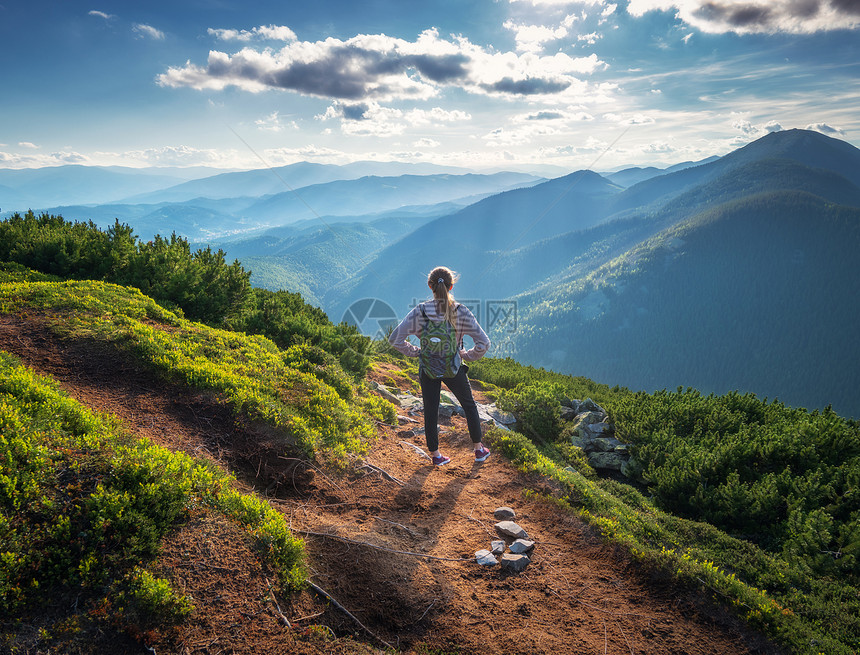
398 555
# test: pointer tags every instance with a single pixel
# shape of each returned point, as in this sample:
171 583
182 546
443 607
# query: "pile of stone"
513 539
589 428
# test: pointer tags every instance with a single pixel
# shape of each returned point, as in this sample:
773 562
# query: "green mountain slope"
757 294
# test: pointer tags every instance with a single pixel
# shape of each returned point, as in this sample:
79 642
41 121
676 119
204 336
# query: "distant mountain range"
736 274
732 273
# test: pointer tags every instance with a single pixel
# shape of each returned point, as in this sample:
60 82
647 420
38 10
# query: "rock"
571 404
405 419
606 445
588 418
632 469
492 414
408 401
611 461
522 546
447 397
588 405
497 547
446 411
511 529
485 558
504 514
600 428
515 563
385 393
568 413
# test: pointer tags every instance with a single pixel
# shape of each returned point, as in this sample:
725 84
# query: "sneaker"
481 455
441 460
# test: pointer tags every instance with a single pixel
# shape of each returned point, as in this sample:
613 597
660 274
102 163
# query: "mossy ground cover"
302 391
84 506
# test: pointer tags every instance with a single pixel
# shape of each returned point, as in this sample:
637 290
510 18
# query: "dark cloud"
545 116
528 87
328 77
355 112
735 15
851 7
350 73
440 69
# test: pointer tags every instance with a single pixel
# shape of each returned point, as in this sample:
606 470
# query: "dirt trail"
577 596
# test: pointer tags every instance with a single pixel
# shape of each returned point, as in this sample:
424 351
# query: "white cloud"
270 123
100 14
179 156
380 68
18 160
437 115
267 32
147 31
426 143
27 144
531 38
824 128
561 3
632 119
372 119
748 129
758 16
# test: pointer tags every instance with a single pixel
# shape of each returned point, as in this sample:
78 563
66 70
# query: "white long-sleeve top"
466 324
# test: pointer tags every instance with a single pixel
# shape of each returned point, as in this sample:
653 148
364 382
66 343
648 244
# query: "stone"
446 411
588 405
492 414
599 428
571 404
408 401
605 444
497 547
511 529
588 418
521 546
485 558
611 461
504 514
632 469
568 413
385 393
515 563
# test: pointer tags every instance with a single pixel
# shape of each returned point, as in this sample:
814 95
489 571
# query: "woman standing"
441 324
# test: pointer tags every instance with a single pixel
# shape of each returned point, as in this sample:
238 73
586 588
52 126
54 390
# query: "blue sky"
483 83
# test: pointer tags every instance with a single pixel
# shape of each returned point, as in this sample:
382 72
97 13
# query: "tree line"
200 284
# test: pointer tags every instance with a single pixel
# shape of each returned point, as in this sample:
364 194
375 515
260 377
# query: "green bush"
537 407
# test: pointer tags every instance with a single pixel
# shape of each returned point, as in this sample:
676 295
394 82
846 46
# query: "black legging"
459 386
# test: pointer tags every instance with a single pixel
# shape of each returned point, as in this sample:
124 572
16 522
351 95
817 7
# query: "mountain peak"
805 146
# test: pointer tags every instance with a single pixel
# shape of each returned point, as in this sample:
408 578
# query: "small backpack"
440 354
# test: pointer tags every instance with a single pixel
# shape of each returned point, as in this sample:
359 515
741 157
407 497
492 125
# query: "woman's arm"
468 324
409 325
